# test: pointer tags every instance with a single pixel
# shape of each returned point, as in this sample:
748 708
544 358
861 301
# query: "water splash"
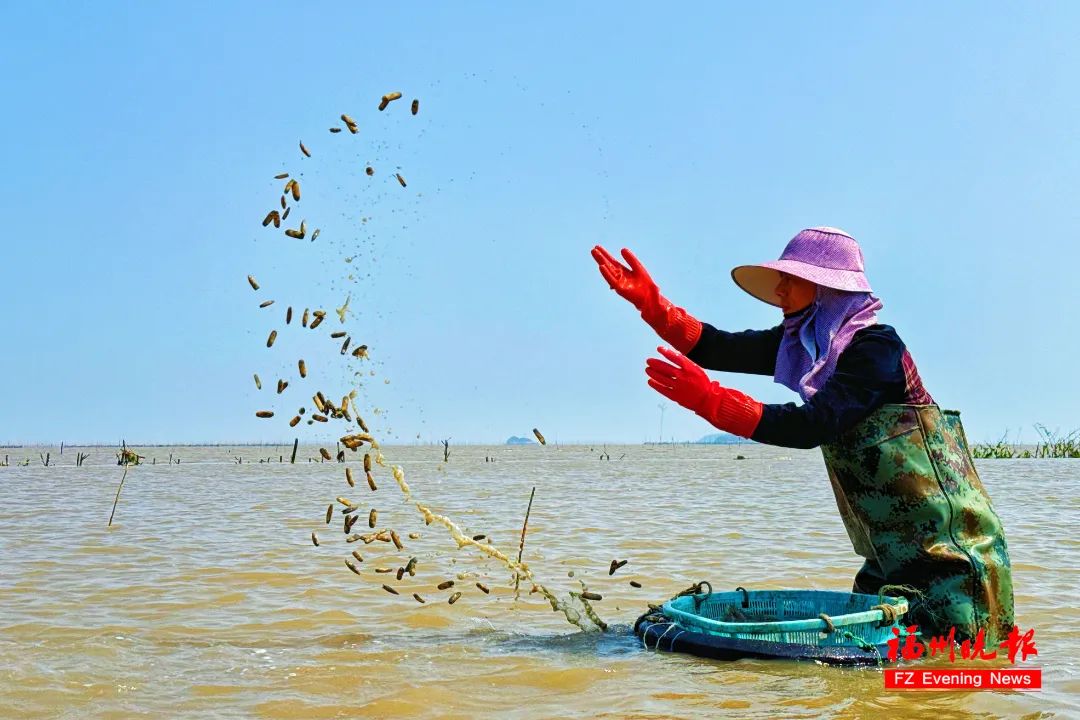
572 614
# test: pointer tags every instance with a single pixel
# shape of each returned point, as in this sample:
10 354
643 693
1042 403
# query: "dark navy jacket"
873 370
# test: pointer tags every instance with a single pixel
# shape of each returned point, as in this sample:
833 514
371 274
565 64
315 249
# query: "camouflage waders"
914 507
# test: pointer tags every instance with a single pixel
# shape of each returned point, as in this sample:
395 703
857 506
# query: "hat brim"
761 280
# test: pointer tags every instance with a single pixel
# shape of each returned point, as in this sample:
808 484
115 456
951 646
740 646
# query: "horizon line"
432 443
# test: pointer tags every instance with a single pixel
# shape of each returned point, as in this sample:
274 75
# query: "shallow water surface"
207 597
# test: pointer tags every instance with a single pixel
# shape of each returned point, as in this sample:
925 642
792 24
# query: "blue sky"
140 141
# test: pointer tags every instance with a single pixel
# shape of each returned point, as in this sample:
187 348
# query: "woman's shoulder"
877 345
877 333
879 352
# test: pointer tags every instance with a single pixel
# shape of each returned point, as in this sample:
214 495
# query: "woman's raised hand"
680 379
632 283
684 381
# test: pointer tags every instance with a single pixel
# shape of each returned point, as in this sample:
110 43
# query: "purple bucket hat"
823 255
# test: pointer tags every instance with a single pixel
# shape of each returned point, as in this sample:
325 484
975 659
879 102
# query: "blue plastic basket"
787 616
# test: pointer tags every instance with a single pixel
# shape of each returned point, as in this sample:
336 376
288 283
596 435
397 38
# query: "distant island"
722 439
515 440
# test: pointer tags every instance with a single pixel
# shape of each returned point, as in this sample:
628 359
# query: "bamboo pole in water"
521 545
117 499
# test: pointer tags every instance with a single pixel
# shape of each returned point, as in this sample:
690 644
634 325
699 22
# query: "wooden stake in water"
521 545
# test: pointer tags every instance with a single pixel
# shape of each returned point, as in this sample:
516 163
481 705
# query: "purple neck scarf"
815 337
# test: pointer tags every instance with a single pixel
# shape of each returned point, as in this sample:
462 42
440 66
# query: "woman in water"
900 466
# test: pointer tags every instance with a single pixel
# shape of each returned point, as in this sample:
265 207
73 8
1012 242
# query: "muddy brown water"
207 598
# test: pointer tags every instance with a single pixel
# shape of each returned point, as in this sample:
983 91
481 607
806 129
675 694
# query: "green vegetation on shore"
1052 444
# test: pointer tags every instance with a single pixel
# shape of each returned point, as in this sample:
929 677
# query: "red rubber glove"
671 323
687 384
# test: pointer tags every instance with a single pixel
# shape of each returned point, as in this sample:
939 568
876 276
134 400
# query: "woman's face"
795 293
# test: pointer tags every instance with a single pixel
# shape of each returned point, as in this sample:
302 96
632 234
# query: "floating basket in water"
832 627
